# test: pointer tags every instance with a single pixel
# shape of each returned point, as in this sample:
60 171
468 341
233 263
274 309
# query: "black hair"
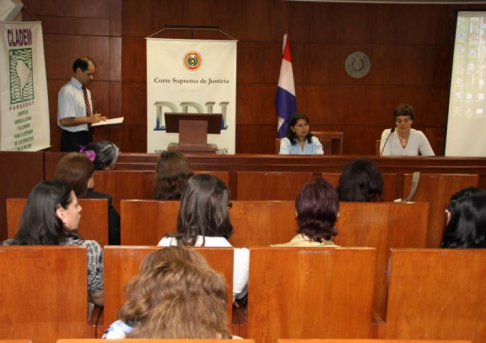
404 110
82 63
361 180
291 134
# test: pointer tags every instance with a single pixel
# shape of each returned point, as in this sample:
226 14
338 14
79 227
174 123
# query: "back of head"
82 63
171 175
404 110
75 169
103 154
467 224
204 210
176 295
39 224
361 180
317 207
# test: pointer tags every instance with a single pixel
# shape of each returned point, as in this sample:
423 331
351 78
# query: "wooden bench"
310 292
271 185
93 224
166 341
437 294
44 293
145 222
437 189
135 184
122 263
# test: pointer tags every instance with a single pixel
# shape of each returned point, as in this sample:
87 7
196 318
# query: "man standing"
75 108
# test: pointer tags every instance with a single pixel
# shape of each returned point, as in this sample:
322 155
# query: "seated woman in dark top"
77 170
175 295
171 175
466 220
51 217
317 209
361 180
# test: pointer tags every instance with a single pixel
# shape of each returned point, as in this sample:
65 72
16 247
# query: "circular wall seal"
192 60
357 65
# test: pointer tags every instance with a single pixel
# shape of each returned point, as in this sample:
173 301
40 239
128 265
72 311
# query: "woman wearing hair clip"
77 170
103 154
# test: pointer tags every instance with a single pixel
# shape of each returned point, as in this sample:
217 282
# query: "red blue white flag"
285 101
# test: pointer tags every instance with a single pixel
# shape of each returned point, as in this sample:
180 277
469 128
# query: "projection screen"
466 124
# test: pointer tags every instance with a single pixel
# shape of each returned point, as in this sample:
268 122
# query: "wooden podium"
193 129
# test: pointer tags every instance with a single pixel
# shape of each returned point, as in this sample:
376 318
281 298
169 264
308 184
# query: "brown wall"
410 48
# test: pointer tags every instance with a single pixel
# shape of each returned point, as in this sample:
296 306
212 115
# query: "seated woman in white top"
204 221
403 140
298 139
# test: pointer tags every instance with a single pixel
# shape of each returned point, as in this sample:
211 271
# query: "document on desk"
112 121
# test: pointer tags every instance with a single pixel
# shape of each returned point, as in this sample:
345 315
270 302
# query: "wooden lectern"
193 131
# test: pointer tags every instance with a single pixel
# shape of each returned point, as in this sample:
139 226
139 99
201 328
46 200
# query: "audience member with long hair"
77 170
466 220
317 210
203 220
51 217
176 295
361 180
171 175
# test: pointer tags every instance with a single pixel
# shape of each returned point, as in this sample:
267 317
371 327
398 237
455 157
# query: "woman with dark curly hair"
171 175
317 209
176 295
466 220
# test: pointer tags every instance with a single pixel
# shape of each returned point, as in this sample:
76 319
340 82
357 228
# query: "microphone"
392 130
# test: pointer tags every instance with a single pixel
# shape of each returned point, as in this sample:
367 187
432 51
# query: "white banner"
24 109
190 76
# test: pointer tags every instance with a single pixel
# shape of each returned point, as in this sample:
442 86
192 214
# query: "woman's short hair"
317 207
291 134
176 295
39 224
361 180
171 175
404 110
467 224
75 169
103 154
203 211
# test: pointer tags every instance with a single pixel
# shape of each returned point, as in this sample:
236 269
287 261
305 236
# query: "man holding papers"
75 108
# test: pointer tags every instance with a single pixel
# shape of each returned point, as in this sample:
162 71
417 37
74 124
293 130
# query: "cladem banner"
24 108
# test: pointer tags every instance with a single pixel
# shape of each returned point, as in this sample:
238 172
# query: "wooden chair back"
122 263
437 294
271 185
93 224
332 142
437 189
310 292
156 340
44 293
382 226
367 341
145 222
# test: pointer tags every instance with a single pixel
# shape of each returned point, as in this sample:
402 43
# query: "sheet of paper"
111 121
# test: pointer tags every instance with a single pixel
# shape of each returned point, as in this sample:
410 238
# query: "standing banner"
191 76
24 109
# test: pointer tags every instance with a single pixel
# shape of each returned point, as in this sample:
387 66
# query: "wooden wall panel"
410 47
